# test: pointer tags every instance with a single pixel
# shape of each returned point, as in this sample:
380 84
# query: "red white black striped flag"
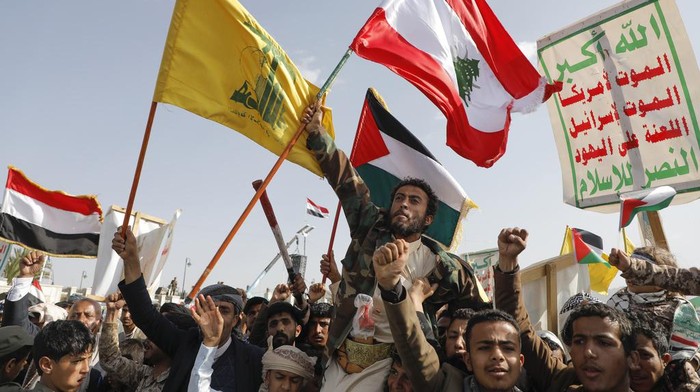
315 209
50 221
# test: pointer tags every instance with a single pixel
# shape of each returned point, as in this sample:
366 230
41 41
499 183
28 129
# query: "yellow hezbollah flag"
600 275
220 64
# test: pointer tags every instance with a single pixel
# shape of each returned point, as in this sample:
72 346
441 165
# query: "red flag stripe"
323 210
85 205
627 210
515 72
385 46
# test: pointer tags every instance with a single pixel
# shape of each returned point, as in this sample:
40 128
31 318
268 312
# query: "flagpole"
337 209
334 74
264 184
139 166
330 243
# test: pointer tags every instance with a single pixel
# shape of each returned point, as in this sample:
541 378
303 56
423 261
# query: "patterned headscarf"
572 303
290 359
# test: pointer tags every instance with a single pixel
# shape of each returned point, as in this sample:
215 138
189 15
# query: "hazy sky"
77 79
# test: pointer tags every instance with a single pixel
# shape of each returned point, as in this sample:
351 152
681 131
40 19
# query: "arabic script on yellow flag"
220 64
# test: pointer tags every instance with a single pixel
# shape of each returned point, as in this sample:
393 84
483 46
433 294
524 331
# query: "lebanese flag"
385 152
459 55
50 221
645 200
315 209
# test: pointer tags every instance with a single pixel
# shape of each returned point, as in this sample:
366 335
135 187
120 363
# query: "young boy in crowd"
62 352
599 337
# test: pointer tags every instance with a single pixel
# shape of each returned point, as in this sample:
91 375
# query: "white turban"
290 359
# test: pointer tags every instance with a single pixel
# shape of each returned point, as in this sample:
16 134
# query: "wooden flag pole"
245 214
139 166
330 243
263 186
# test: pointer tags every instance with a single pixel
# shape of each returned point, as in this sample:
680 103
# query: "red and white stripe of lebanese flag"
51 221
645 200
315 209
422 39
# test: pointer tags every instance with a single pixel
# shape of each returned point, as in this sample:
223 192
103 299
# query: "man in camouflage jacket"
370 228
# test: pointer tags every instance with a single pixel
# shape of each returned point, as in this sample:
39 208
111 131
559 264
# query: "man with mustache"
284 322
320 317
236 365
413 208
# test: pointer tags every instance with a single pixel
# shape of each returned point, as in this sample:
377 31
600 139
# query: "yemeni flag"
385 152
645 200
315 209
459 55
50 221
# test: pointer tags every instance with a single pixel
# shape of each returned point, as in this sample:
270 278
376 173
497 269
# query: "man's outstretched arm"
642 273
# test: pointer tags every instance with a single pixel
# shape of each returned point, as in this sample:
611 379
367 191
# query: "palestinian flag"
600 274
588 247
645 200
461 57
49 221
385 152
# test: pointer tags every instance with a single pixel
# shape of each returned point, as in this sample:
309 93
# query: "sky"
77 80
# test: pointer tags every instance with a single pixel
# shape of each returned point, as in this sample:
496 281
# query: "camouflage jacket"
684 281
369 229
136 376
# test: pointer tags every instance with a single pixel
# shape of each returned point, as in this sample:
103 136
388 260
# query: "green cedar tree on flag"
385 152
645 200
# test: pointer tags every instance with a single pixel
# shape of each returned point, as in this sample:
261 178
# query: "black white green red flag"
53 222
645 200
458 54
588 247
385 152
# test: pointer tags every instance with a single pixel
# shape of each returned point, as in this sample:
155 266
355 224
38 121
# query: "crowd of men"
403 315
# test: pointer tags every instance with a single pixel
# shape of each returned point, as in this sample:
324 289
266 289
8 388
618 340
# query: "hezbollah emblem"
265 95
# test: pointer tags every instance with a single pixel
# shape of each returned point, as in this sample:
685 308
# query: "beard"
408 228
281 339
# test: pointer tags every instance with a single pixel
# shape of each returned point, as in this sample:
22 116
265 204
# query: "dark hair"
171 307
253 301
432 197
181 320
644 324
132 349
595 309
463 314
322 310
18 355
487 316
61 338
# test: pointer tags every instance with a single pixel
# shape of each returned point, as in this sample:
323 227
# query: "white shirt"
421 261
200 378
